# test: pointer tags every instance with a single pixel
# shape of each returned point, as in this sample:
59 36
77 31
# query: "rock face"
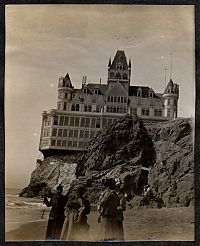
50 173
127 149
119 151
172 176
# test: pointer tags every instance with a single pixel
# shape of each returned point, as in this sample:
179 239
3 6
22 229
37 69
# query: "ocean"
21 210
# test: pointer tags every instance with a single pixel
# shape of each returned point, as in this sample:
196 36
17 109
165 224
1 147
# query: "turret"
171 95
119 70
65 89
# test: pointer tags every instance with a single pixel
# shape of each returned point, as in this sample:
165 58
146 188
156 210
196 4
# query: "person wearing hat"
108 209
56 217
75 226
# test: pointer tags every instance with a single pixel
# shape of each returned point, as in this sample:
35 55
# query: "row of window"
64 143
117 99
72 133
116 109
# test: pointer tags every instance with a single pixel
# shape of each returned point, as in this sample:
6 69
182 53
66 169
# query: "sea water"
22 210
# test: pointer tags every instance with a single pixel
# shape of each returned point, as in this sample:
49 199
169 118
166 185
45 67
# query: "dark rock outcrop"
127 149
172 176
119 151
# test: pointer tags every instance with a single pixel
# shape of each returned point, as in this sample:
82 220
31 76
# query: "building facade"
82 113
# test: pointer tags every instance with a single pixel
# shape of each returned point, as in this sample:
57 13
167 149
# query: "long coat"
109 203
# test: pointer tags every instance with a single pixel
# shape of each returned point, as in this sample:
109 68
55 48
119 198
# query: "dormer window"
139 94
151 94
169 90
96 91
85 90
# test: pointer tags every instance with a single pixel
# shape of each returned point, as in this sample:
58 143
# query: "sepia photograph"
99 122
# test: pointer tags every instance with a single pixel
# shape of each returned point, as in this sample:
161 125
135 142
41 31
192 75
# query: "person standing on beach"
75 226
120 209
108 210
56 216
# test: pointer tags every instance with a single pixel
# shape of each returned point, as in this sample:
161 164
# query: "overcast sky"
44 42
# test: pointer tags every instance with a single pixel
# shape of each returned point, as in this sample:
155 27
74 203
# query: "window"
125 99
86 135
65 106
125 76
115 99
85 90
53 142
80 145
70 144
77 107
77 119
82 122
87 108
64 143
61 121
97 108
60 133
145 111
72 121
118 99
111 75
168 112
66 121
87 122
81 135
70 133
139 94
109 121
93 122
45 142
96 91
73 107
151 94
58 105
65 95
157 112
55 122
58 142
111 99
108 99
75 133
118 76
98 123
168 101
54 132
74 144
92 134
104 124
122 99
65 133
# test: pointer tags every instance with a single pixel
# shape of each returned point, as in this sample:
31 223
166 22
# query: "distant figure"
120 209
56 216
109 203
77 208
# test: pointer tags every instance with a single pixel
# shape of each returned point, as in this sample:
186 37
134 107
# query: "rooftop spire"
171 67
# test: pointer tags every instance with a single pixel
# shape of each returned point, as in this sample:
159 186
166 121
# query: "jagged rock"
50 173
119 151
172 176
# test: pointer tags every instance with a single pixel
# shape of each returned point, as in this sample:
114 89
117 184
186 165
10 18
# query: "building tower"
119 70
65 89
171 95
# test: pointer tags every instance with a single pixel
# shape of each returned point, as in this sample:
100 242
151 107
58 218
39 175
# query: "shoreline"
167 224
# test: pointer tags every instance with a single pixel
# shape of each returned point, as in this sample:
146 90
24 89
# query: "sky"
44 42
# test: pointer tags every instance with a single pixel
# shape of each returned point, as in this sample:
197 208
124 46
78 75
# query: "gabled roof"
144 89
119 57
67 81
102 87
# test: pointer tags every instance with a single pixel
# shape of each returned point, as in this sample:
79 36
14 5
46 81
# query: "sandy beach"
175 224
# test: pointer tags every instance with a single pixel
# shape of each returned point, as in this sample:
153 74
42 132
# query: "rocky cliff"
160 155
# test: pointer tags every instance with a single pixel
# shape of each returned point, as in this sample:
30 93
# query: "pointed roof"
169 85
119 57
67 81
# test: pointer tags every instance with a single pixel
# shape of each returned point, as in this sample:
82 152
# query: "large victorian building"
82 113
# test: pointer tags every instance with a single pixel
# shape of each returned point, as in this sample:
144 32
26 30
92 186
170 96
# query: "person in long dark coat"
108 210
75 226
120 209
56 217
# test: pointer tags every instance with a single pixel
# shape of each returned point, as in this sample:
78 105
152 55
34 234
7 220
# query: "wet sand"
171 224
